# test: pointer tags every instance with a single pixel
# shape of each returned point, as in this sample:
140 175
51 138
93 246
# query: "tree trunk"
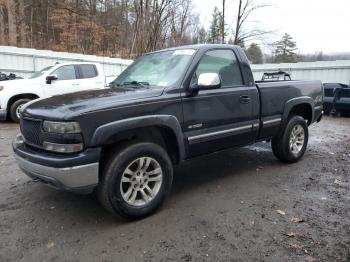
12 32
238 22
22 24
223 23
2 23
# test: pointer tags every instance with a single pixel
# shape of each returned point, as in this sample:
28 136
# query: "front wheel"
290 145
135 180
16 108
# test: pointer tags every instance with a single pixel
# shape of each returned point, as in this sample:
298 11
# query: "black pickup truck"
167 107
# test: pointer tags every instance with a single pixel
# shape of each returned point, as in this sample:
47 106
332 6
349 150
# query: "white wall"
25 61
326 71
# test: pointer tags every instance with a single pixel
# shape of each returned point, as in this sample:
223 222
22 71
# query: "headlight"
19 140
63 148
61 127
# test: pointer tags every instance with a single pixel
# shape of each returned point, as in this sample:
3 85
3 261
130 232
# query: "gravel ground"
237 205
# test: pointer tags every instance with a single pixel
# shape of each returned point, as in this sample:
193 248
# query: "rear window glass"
87 71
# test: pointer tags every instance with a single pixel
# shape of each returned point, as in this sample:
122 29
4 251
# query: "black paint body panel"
218 112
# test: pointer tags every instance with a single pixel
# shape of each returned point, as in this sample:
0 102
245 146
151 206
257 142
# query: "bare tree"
181 21
244 11
125 28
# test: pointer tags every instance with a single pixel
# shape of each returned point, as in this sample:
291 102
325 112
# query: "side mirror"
209 81
49 79
206 81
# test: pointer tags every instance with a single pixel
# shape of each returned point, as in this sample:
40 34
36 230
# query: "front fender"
104 132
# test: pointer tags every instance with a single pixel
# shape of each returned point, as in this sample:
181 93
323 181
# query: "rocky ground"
237 205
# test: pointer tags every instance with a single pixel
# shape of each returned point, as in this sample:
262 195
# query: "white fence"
326 71
24 61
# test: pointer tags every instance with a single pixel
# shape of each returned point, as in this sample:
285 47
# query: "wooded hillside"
124 28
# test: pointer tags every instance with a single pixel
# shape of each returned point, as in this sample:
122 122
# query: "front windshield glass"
41 72
156 69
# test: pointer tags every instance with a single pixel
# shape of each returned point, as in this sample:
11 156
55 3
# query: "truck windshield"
41 72
156 69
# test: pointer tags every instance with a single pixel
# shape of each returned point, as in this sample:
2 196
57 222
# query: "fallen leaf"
297 220
339 182
297 246
310 259
280 212
293 234
50 244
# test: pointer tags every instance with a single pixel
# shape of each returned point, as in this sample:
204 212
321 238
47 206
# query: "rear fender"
294 102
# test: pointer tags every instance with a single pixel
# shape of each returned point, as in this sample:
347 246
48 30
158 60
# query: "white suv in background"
53 80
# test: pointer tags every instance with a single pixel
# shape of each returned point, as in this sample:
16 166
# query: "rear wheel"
16 108
136 180
290 145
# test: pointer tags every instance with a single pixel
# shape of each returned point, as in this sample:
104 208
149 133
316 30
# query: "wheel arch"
14 98
21 96
164 130
302 106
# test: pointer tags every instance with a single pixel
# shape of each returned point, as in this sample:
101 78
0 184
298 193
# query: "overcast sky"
316 25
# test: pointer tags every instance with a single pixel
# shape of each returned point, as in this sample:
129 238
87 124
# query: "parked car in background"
336 98
276 76
10 76
167 107
53 80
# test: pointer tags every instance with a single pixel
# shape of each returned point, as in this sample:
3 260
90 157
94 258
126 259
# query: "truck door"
220 118
66 82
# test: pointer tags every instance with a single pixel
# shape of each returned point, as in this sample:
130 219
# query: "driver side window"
222 62
65 72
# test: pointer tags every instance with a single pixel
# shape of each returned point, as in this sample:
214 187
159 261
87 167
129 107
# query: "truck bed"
275 96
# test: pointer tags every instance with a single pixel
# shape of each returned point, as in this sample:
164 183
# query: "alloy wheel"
141 181
296 139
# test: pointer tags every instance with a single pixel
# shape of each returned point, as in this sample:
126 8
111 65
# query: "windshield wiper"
136 83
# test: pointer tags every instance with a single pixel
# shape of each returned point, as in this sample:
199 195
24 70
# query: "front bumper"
78 173
3 114
79 179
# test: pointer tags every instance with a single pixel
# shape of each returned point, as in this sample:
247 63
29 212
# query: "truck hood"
70 105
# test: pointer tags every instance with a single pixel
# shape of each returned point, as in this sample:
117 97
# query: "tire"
15 107
123 164
290 145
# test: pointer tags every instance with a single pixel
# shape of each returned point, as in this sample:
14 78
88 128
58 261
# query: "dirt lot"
238 205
